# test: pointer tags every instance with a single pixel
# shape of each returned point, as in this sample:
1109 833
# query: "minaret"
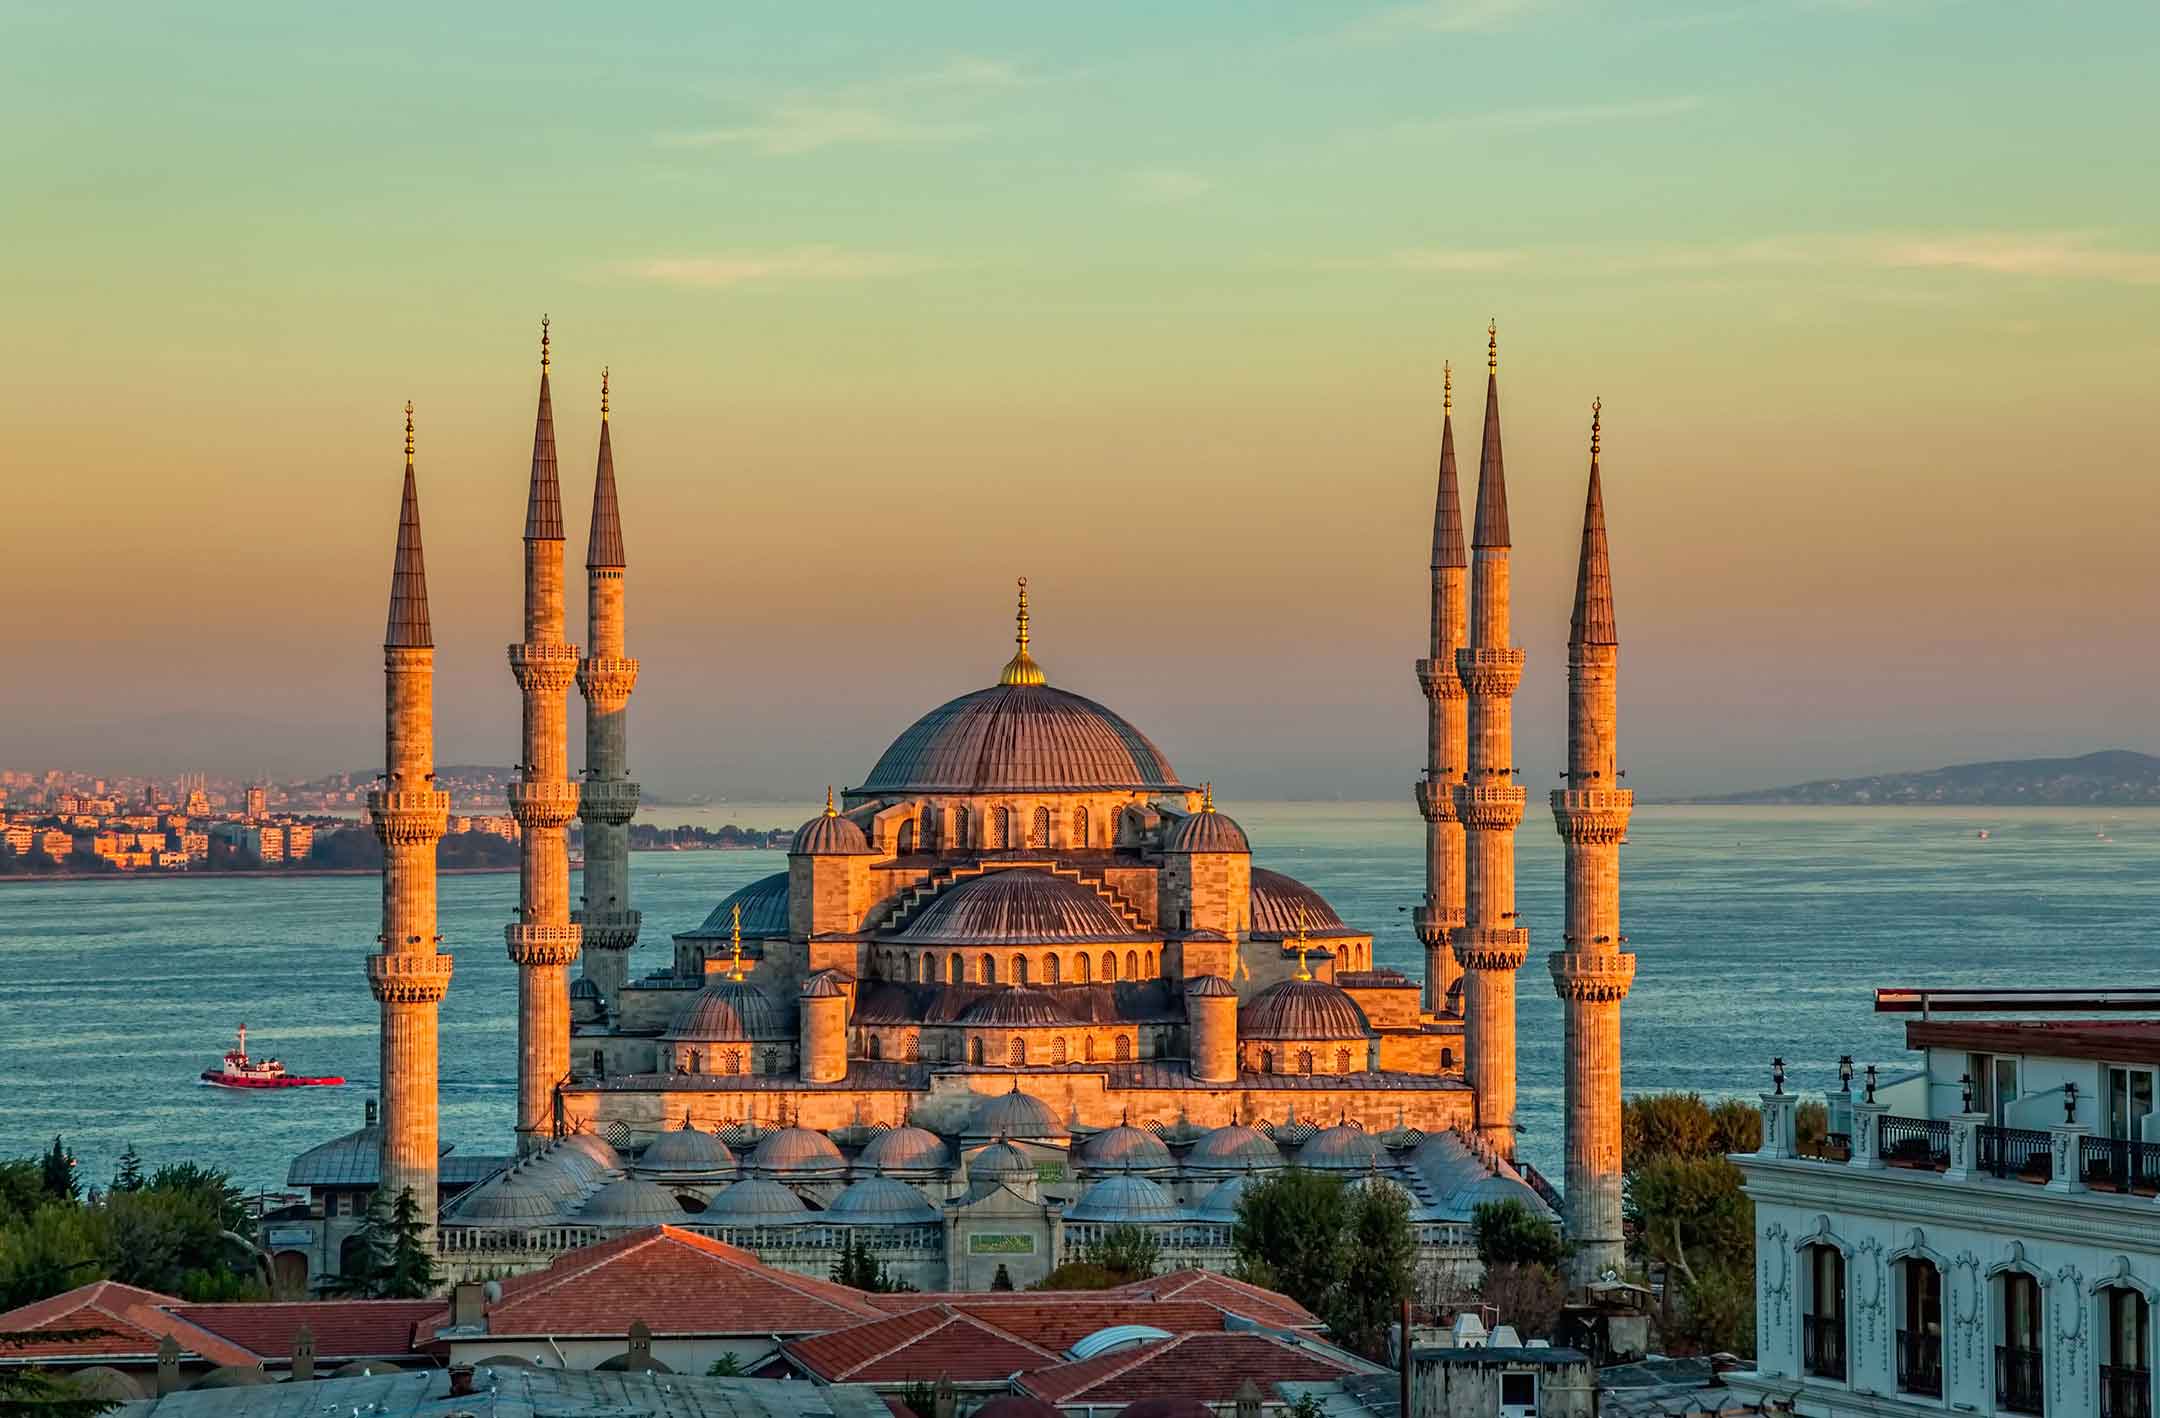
1490 945
1446 746
606 677
543 942
409 975
1593 972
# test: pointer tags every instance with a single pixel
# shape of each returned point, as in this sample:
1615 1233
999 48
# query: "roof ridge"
912 1328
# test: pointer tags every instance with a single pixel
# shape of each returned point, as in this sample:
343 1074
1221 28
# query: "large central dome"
1021 737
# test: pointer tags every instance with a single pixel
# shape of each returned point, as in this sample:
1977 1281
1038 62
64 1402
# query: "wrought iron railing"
2125 1391
1919 1363
2120 1164
1824 1349
1914 1142
2017 1379
2015 1152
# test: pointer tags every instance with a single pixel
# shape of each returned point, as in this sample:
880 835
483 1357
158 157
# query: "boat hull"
226 1080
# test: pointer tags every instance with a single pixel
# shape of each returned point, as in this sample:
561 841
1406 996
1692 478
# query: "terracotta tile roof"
129 1321
343 1329
1208 1367
933 1342
677 1282
1237 1296
1056 1322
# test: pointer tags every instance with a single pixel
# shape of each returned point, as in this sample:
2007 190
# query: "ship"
240 1071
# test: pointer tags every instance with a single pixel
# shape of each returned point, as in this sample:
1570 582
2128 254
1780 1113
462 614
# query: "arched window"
914 1047
1087 1048
1920 1328
960 829
1083 967
1124 1048
734 1062
923 966
1057 1051
1132 964
1109 965
1050 969
1017 1052
904 840
1001 828
989 970
694 1059
1447 1058
1304 1060
2124 1371
1822 1322
875 1049
978 1051
1342 1060
1019 970
2020 1361
772 1062
1080 827
1267 1060
1150 962
1039 833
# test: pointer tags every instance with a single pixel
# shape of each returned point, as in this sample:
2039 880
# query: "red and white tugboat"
240 1071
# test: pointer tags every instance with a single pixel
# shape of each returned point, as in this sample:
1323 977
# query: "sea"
1759 931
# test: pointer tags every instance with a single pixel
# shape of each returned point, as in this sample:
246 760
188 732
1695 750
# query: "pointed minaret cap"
1021 668
1492 528
1447 536
1592 623
604 548
408 628
543 503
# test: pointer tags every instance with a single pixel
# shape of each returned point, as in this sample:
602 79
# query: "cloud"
1167 185
1523 120
2074 255
1449 16
802 127
801 263
1446 260
967 71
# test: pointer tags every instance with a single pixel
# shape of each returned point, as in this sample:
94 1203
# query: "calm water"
1759 930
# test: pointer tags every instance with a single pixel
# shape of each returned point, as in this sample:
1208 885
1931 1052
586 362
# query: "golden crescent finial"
1447 387
1021 668
603 393
830 810
543 343
1492 344
1597 410
735 939
1207 797
408 434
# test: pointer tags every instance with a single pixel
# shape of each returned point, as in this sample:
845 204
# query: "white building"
1990 1242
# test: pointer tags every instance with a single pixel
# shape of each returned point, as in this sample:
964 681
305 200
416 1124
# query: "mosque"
1020 984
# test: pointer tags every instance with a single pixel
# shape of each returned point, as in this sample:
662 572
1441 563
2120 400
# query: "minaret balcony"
1592 978
404 815
531 943
543 803
1436 799
409 979
543 668
1490 671
1491 947
607 680
1594 816
1496 807
608 930
613 802
1435 925
1439 679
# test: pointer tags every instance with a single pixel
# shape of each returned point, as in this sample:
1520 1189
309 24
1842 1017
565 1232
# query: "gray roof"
830 835
1206 831
764 905
1124 1198
1124 1148
1302 1010
519 1392
1018 906
758 1199
1341 1148
881 1201
1015 1114
632 1202
1015 736
731 1011
685 1150
1234 1147
797 1152
905 1149
1283 905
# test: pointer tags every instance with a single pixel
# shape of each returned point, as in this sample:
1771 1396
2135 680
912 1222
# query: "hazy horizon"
1149 307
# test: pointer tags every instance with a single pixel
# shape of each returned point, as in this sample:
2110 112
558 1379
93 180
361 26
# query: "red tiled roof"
129 1321
1208 1367
938 1341
343 1329
1237 1296
1050 1324
676 1281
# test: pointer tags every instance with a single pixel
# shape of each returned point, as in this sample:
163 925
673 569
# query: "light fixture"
1844 1072
1777 1075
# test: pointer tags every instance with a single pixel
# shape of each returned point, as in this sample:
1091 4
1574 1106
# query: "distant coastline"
2109 778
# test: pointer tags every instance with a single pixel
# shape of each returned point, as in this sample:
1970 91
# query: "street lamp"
1965 1086
1844 1072
2070 1092
1870 1083
1777 1075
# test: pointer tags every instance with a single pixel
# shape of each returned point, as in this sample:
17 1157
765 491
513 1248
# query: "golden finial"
1492 344
1021 668
1304 971
408 435
543 343
735 939
603 393
1597 408
1447 387
830 810
1207 797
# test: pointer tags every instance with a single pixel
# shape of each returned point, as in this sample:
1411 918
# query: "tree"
60 1173
364 1265
22 1187
1686 1204
129 1178
34 1393
727 1366
856 1266
1510 1233
1525 1295
1288 1235
1127 1252
410 1274
1079 1275
1719 1314
1381 1273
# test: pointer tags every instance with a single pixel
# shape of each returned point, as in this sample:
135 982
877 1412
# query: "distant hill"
2114 777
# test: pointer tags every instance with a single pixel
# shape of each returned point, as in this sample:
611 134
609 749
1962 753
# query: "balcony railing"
1824 1337
2015 1152
2125 1392
2017 1379
1914 1142
2118 1164
1919 1363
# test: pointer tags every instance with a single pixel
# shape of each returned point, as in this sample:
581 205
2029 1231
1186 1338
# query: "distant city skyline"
1148 307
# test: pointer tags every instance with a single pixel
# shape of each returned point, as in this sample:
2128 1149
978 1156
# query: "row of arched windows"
1050 968
1301 1062
726 1061
1017 1051
1002 829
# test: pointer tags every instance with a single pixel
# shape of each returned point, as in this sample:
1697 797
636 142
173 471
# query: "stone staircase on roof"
906 903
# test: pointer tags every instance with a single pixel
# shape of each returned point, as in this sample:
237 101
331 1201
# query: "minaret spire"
543 497
1492 519
604 547
1593 970
1021 668
1446 745
608 798
409 628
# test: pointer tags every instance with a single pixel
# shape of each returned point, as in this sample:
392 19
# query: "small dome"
1206 831
823 985
1210 987
1341 1148
594 1146
584 988
1302 1009
730 1012
1283 906
756 1200
631 1202
1124 1148
239 1376
510 1197
1221 1202
881 1201
1017 906
1234 1148
1016 1007
1016 1114
905 1149
797 1152
1501 1187
1001 1162
1020 736
686 1150
764 904
1125 1198
830 835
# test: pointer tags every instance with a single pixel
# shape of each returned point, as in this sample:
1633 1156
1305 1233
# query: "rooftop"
507 1392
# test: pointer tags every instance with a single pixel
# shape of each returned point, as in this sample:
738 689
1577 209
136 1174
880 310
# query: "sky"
1146 303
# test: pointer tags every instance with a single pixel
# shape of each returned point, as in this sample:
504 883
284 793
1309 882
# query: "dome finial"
1021 668
408 435
1492 344
603 393
1447 387
1207 797
830 810
1304 971
1597 409
543 344
735 970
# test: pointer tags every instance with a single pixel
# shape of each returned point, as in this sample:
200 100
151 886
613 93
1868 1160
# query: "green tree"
1526 1295
365 1264
410 1274
1127 1252
1289 1233
129 1178
22 1187
34 1393
1381 1270
56 1247
214 1185
1509 1233
1686 1204
856 1266
60 1179
1079 1275
727 1366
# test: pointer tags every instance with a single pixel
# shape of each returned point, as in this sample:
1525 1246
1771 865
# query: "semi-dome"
830 835
1124 1198
1017 1007
631 1202
1302 1009
1234 1148
1021 737
1210 987
1206 831
587 1154
1341 1148
1284 906
1017 906
584 987
730 1012
1016 1114
686 1150
1124 1148
758 1200
509 1197
905 1149
1500 1186
798 1152
881 1201
1001 1162
1221 1202
764 905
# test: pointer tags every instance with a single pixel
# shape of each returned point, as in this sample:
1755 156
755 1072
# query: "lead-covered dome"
880 1201
1001 1162
1206 831
728 1012
1021 736
830 835
1235 1147
905 1149
1283 905
764 905
757 1200
1302 1009
797 1152
631 1202
1017 1007
1124 1148
686 1151
1016 1114
1124 1198
1018 906
1341 1148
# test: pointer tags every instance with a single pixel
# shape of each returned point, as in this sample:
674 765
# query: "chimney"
303 1355
461 1380
370 1105
1248 1400
168 1366
640 1359
943 1401
468 1305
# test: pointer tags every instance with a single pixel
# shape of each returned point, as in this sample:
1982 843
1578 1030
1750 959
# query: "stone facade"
607 924
1447 747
